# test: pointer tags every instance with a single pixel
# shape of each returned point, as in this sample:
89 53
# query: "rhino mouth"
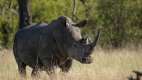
86 60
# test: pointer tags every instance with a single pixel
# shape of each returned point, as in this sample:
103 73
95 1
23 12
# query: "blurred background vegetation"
120 20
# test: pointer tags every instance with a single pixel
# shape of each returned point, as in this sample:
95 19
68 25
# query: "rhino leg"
22 69
49 68
66 66
35 73
48 65
51 72
36 69
21 66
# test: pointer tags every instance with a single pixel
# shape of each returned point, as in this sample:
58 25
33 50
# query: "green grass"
107 65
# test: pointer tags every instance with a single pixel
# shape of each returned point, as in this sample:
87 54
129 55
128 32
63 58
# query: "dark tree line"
25 17
120 20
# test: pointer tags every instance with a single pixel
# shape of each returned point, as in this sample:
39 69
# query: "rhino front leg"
49 68
51 72
66 66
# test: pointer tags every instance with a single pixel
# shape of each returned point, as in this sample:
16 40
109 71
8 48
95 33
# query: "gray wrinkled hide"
45 46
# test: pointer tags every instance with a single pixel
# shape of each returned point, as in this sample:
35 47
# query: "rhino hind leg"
66 66
21 66
22 69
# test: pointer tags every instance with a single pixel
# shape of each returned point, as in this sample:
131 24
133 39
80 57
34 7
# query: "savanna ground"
108 65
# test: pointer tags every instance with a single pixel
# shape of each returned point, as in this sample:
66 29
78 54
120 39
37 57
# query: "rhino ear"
80 24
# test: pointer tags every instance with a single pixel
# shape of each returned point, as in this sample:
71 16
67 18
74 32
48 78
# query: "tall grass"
107 65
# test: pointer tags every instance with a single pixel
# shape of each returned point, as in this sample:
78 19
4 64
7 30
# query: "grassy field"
107 65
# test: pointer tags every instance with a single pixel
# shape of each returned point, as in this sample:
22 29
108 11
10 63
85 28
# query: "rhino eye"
82 41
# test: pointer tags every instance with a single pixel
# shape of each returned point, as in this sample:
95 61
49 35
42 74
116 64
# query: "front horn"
93 44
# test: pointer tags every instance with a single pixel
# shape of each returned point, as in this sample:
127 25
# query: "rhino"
47 46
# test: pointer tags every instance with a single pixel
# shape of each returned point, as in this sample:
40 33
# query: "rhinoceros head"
77 47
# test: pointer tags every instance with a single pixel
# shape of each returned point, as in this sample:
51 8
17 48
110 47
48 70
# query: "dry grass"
107 65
